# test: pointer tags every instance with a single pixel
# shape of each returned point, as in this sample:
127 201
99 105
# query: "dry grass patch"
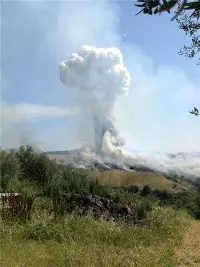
83 241
188 254
127 178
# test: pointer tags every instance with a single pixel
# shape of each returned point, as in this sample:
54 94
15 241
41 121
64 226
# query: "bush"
42 208
133 189
146 190
26 170
96 189
36 167
47 230
67 180
10 169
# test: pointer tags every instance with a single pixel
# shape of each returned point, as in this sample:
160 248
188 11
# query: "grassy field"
157 234
189 252
83 241
126 178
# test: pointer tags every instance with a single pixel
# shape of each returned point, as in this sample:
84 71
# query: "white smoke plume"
152 118
98 75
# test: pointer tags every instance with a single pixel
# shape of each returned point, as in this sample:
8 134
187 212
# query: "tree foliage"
10 168
187 16
35 174
158 6
191 27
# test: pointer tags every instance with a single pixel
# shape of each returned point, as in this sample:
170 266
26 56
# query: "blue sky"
37 35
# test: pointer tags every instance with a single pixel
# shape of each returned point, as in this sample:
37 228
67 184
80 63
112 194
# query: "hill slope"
140 178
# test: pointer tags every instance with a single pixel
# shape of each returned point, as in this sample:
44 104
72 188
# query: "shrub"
146 190
96 189
42 231
10 168
133 189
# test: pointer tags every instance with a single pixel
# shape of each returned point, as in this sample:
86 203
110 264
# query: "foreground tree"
191 27
187 16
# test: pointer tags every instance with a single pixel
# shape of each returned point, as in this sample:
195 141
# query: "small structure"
14 205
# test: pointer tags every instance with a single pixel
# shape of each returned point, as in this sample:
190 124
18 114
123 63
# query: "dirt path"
189 253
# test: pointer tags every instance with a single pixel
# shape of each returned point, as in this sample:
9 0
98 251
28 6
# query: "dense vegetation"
72 240
34 174
26 171
82 241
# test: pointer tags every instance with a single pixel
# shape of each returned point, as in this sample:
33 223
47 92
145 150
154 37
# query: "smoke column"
99 76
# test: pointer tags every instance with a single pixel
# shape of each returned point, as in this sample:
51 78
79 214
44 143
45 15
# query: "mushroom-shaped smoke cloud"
98 75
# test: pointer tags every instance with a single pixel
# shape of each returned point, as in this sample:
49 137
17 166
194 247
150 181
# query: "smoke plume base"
180 165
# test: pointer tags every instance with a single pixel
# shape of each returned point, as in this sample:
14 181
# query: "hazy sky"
37 108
